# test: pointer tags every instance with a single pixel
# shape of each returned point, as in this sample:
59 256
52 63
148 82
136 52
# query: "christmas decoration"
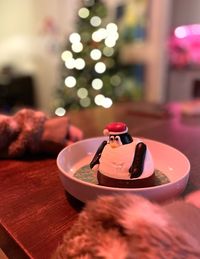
92 74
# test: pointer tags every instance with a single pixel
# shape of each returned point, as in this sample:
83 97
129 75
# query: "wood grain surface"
35 211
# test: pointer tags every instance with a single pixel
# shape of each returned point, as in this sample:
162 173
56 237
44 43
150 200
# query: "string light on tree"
84 13
85 102
82 93
97 83
70 81
108 52
100 67
79 63
95 21
95 54
60 111
90 60
107 102
77 47
99 99
70 63
74 38
66 55
103 101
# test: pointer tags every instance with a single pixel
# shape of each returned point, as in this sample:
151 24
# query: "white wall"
153 52
185 12
16 30
28 47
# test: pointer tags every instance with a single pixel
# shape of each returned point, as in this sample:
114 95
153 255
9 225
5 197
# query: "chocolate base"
122 183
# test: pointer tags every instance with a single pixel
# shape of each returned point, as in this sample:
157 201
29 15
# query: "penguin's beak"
115 141
114 144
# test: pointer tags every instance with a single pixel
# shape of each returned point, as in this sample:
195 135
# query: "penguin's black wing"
97 155
137 166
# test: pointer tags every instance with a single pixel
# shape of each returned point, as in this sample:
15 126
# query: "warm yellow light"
112 27
97 83
74 37
85 102
96 36
70 81
77 47
108 52
95 21
107 102
99 35
79 63
70 63
66 55
95 54
99 98
82 92
60 111
100 67
110 42
83 12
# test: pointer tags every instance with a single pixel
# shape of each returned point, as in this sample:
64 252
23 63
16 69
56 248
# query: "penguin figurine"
121 154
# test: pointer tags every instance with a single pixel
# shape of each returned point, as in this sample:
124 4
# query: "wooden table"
35 211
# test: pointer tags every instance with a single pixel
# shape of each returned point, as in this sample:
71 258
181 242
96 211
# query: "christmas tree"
92 73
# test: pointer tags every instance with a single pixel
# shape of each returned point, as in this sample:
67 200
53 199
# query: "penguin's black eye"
111 138
117 138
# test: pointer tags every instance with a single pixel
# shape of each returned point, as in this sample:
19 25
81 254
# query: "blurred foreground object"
129 226
30 132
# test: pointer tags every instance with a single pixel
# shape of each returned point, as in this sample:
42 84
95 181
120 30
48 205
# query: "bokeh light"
97 83
95 54
60 111
108 52
79 63
115 80
82 92
85 102
74 37
99 99
112 27
83 12
103 101
66 55
99 35
100 67
77 47
70 63
95 21
70 81
107 102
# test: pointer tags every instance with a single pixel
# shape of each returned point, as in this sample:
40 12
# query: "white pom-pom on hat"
105 132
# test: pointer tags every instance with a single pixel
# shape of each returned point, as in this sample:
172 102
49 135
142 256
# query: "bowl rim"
101 187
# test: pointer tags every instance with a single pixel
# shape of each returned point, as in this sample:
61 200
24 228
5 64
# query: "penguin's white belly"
115 162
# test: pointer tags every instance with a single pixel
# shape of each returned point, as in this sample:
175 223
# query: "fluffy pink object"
130 226
32 132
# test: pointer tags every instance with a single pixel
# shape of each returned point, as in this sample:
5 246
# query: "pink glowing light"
181 32
187 31
184 46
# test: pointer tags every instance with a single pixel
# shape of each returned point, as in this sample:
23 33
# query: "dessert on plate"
122 160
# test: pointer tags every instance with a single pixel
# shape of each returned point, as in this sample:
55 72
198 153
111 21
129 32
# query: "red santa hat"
115 128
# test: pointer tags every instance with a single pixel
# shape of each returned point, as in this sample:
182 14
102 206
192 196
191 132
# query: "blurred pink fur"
129 226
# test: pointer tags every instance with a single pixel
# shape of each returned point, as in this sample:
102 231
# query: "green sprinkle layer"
87 175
